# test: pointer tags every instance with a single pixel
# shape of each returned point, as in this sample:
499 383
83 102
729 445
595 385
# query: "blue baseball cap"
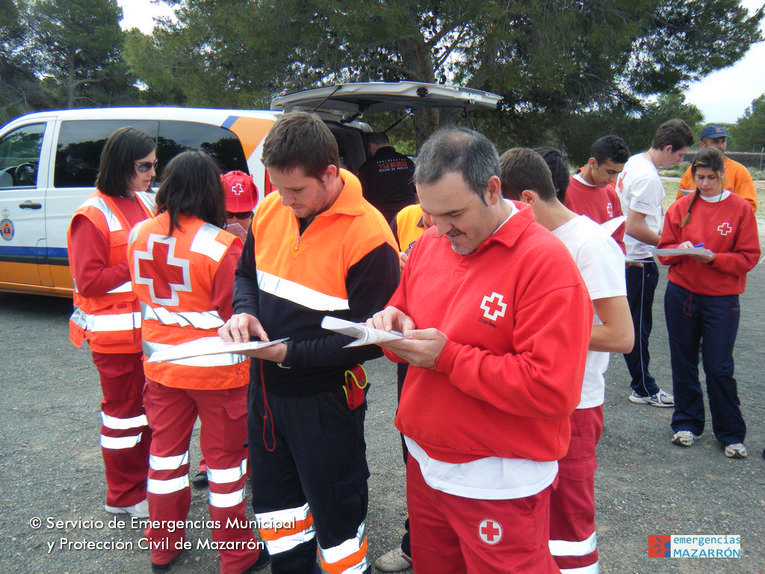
714 132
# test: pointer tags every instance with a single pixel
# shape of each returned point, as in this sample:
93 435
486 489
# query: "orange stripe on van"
251 132
282 531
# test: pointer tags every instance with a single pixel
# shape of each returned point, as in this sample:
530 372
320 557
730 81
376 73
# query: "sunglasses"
239 214
145 166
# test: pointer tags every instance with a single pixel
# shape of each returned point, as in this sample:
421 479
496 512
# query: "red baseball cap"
240 191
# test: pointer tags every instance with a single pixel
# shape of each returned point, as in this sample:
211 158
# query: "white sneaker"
684 438
139 510
660 399
393 561
736 450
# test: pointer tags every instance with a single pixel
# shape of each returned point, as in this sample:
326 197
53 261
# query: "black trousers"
308 449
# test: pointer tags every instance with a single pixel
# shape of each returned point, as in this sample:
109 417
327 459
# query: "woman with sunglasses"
106 312
182 264
701 302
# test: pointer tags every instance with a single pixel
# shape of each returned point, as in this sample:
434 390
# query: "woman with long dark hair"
702 304
182 265
106 312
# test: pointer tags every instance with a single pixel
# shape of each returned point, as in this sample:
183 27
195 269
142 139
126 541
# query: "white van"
49 160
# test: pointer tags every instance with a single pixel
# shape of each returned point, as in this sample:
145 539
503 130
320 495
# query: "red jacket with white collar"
728 228
518 318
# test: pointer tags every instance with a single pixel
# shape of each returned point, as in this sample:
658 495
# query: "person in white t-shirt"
526 178
642 193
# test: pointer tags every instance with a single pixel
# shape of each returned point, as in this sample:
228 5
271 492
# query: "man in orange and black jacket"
316 248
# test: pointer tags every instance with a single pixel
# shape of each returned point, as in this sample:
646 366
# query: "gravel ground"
51 469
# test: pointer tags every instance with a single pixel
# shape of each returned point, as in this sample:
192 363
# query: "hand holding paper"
364 335
670 251
209 346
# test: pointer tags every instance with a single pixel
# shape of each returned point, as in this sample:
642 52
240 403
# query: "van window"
20 156
80 142
221 144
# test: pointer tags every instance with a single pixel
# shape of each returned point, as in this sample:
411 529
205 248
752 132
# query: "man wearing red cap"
241 198
737 177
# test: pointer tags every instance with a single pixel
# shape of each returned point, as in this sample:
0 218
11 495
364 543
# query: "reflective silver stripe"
111 220
168 462
591 569
220 500
346 549
219 360
289 542
200 320
148 199
300 294
120 443
227 475
134 232
167 486
106 323
126 287
574 548
287 516
205 242
123 424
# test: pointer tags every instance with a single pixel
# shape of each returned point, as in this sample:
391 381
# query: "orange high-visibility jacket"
173 278
111 323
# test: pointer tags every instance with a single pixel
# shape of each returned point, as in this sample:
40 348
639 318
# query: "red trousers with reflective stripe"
451 534
223 414
122 383
572 505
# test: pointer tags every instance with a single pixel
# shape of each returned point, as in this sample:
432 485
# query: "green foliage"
749 132
20 90
557 63
569 70
78 44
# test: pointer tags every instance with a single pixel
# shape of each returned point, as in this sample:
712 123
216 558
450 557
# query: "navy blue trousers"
706 323
641 286
308 449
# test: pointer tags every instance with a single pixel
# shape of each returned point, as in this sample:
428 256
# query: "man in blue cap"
737 177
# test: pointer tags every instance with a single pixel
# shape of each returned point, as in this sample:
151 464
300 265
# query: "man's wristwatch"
285 363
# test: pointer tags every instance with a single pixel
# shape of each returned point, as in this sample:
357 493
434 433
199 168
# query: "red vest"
173 279
111 323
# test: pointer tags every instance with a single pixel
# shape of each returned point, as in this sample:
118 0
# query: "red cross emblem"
493 306
724 228
490 531
159 269
237 188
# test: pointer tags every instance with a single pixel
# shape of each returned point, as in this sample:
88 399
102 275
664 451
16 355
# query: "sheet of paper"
364 335
668 252
612 224
208 346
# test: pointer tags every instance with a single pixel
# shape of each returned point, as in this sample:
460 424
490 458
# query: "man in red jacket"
497 321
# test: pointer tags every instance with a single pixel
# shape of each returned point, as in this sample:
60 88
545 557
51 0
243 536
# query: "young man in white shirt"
642 193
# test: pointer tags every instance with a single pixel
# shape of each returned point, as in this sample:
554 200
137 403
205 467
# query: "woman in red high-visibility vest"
106 312
182 264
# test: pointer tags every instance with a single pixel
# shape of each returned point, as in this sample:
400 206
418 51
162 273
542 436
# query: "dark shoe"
263 560
200 479
166 566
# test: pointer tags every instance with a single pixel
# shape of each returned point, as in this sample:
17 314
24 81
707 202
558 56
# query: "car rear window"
80 143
